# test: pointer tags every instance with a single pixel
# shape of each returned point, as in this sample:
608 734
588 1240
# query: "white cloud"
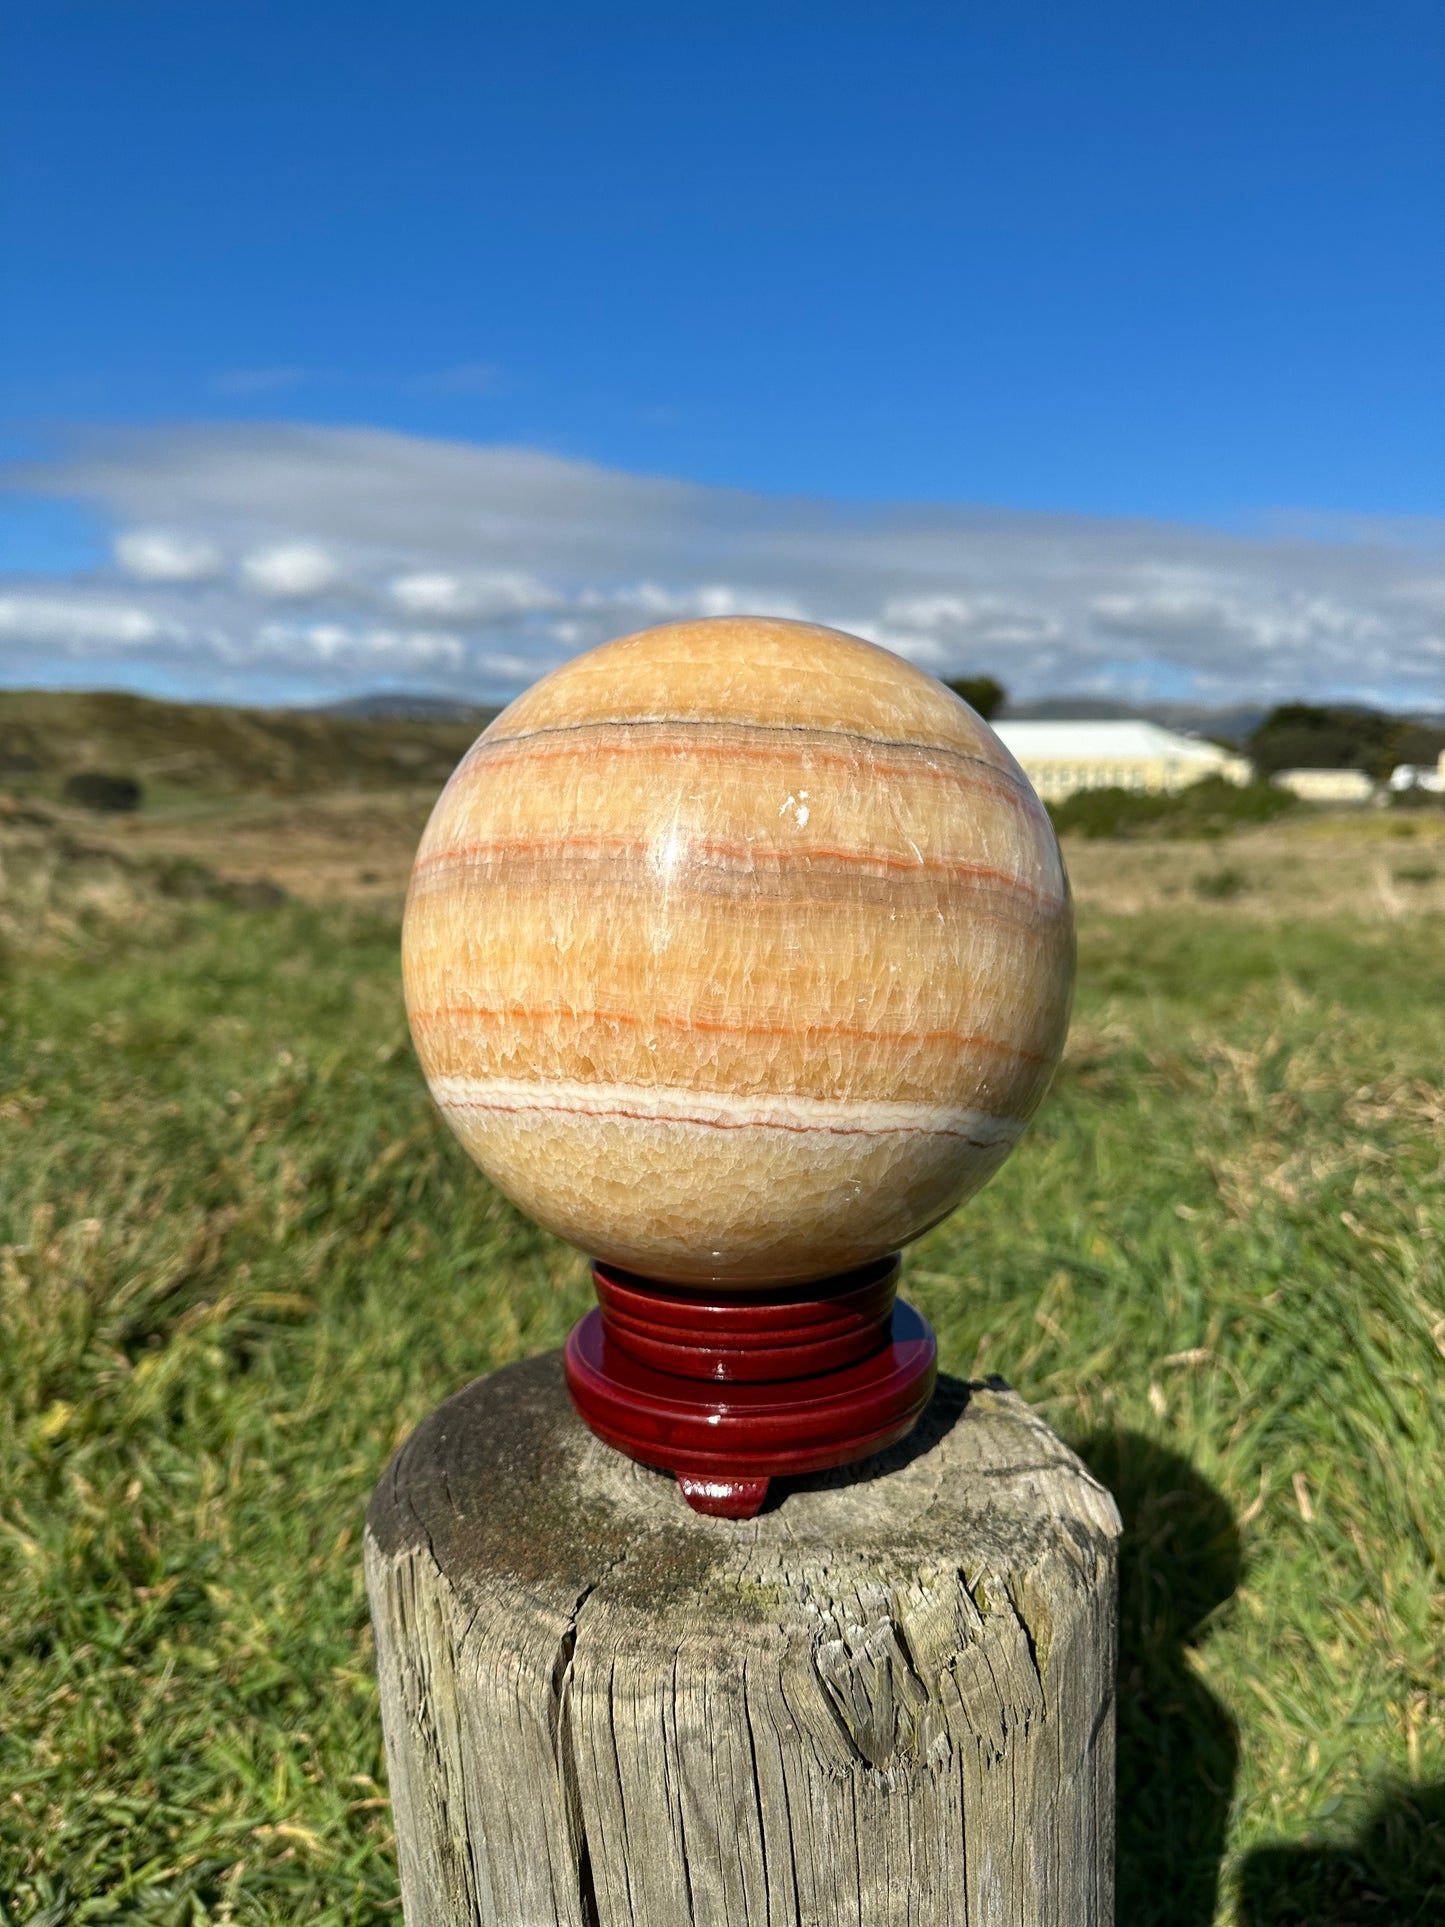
156 555
292 569
1428 596
515 670
932 612
924 650
471 569
76 623
984 618
324 641
339 643
439 592
417 648
654 602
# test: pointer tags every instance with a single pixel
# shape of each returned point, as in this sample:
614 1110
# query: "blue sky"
1070 273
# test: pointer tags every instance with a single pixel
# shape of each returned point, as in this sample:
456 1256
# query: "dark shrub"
1305 736
1207 809
982 693
93 789
1220 885
257 893
188 880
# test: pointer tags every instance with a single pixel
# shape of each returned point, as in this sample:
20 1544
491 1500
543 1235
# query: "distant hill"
397 706
375 742
47 735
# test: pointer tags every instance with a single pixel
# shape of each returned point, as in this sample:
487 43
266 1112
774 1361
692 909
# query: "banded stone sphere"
738 952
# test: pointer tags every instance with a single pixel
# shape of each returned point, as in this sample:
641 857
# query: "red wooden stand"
730 1393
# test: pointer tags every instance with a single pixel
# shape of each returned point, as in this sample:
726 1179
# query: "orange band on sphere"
738 952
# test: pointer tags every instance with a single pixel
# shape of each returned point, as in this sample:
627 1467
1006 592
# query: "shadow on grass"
1392 1876
1178 1747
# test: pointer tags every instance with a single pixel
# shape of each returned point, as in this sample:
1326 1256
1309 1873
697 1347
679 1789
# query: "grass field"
240 1258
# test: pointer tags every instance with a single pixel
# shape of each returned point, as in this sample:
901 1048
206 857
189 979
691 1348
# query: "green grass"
241 1259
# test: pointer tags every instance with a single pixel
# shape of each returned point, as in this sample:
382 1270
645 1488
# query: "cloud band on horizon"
279 564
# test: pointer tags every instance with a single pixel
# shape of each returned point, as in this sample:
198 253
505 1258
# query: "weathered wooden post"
739 953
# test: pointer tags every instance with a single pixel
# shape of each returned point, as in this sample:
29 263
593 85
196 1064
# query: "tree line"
1292 735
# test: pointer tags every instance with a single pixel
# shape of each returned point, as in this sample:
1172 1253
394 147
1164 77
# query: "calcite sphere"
738 952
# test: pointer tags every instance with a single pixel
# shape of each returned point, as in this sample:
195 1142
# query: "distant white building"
1327 785
1419 776
1060 759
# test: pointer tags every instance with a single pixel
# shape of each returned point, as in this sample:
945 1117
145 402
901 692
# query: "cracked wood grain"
885 1702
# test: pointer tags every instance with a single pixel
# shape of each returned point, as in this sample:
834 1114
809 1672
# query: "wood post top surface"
505 1487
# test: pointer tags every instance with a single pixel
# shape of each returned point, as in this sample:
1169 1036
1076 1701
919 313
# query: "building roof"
1123 741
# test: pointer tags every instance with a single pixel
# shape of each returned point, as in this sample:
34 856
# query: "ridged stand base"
731 1393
